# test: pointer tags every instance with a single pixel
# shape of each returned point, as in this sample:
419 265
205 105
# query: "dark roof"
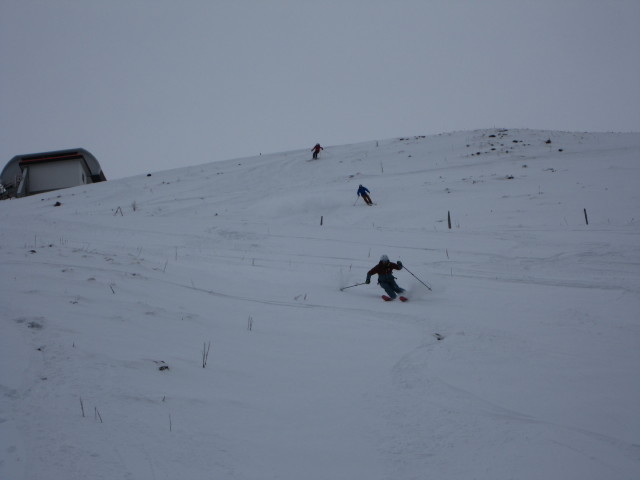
15 165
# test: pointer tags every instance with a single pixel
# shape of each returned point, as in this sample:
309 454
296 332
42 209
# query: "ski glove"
399 263
368 280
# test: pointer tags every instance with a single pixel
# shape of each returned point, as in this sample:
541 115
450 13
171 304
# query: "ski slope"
521 363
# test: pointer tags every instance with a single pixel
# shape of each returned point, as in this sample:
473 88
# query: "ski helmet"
384 258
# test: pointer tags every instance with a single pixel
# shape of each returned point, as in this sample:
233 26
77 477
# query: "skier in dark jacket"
386 279
316 151
364 193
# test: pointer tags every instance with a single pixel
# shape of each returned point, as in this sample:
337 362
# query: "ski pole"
344 288
417 278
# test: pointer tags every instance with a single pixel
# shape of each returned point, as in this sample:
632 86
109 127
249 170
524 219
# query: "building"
42 172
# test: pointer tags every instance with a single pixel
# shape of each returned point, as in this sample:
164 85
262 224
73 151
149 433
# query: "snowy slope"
522 362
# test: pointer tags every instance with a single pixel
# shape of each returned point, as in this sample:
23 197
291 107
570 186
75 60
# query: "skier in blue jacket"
364 193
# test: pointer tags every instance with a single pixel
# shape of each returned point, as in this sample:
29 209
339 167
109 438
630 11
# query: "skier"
364 193
386 279
316 151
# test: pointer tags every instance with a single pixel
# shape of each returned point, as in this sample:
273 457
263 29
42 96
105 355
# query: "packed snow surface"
191 324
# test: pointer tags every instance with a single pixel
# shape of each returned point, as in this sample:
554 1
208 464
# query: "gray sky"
147 85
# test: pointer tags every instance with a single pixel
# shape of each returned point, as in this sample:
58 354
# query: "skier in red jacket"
386 279
316 151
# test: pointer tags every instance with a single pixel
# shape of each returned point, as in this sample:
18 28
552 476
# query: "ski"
389 299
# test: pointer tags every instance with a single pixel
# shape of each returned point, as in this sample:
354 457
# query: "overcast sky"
148 85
